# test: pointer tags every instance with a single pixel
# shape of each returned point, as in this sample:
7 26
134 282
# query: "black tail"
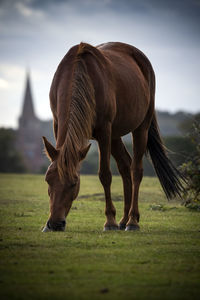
170 178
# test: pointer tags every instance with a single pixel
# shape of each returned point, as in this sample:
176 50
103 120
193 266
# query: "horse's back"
131 70
125 49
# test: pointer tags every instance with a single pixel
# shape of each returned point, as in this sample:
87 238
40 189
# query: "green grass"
161 261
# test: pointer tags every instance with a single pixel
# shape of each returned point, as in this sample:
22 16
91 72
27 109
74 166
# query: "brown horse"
103 93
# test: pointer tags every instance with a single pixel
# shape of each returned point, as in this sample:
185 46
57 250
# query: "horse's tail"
170 178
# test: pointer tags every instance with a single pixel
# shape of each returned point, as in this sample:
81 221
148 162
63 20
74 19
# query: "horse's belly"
131 112
132 98
125 126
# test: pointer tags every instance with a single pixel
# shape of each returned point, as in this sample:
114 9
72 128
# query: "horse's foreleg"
105 176
139 147
123 160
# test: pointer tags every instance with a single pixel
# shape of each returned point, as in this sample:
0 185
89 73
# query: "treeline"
180 149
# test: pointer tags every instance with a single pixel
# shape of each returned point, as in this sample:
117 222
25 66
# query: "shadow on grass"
100 197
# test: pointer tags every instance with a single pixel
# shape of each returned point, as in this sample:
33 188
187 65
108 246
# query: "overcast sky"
36 34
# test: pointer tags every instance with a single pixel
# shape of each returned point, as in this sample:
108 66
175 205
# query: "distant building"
30 132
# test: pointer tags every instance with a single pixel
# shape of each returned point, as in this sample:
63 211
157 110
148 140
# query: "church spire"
28 114
28 109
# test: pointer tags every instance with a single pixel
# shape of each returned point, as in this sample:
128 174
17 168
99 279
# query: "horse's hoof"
132 227
111 227
122 226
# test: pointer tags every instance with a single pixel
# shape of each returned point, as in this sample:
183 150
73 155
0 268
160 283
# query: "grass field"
161 261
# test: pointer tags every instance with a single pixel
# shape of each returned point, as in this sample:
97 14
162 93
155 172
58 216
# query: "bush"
191 169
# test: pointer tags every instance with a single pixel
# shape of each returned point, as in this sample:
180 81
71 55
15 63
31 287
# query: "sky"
35 35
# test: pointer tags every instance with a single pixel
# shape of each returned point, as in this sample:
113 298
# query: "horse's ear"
51 152
84 152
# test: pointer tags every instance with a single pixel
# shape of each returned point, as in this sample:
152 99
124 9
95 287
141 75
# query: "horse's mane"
81 114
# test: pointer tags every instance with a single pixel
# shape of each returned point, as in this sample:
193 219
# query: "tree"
187 126
10 159
191 170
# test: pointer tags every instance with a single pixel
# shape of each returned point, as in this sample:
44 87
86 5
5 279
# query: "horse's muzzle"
54 226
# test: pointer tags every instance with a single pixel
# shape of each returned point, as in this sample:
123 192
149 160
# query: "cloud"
38 33
12 74
27 11
12 77
3 84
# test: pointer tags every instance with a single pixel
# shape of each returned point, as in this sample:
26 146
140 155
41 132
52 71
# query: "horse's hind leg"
140 137
123 159
105 176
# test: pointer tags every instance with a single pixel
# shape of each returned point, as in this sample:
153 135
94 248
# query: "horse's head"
62 191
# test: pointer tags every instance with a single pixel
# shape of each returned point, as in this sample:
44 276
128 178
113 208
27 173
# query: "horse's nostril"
59 226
